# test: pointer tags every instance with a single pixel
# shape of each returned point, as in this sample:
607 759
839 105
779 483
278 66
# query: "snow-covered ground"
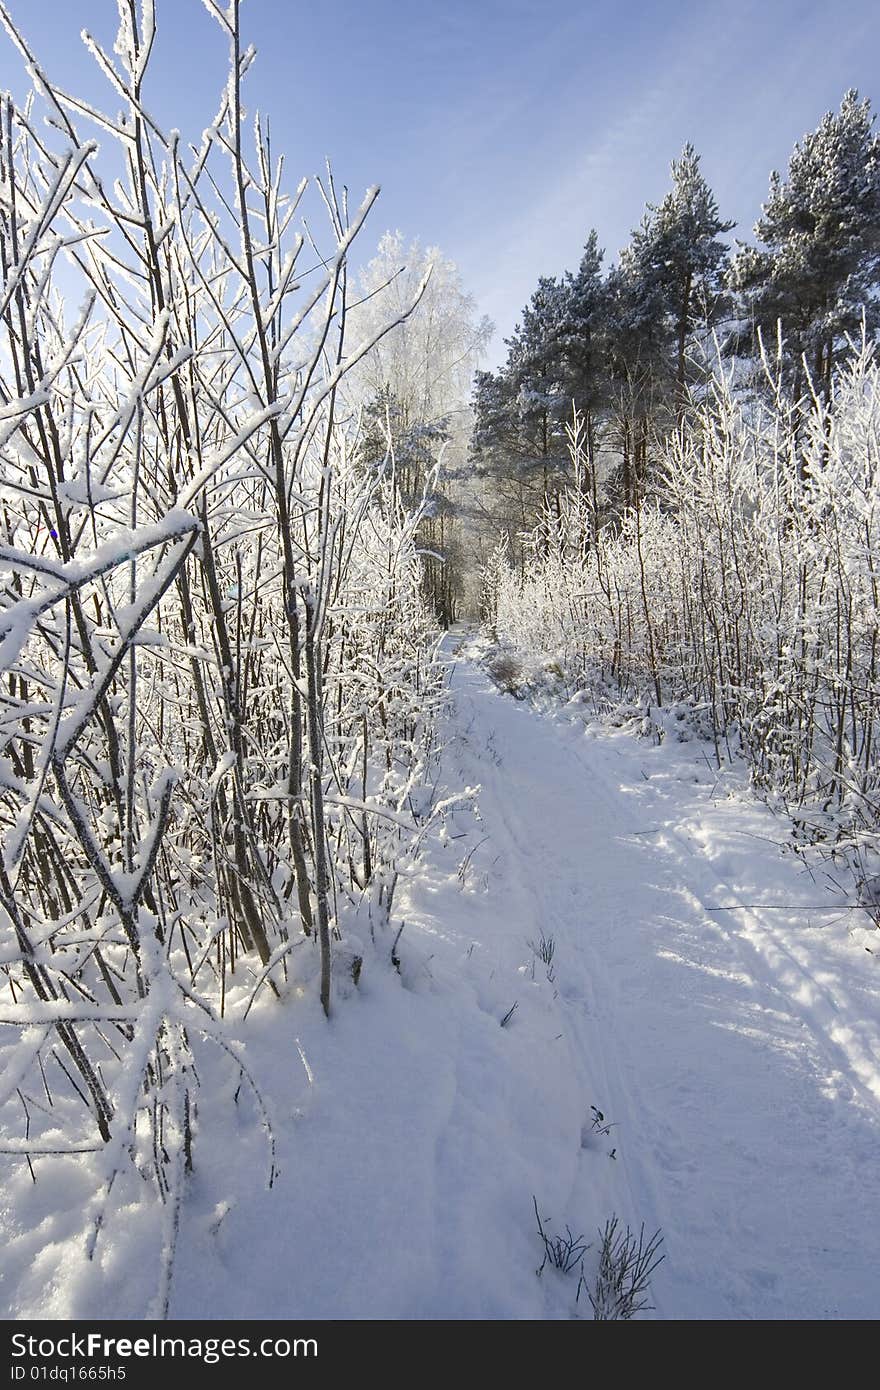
734 1053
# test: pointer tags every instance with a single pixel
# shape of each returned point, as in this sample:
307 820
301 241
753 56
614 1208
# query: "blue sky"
502 130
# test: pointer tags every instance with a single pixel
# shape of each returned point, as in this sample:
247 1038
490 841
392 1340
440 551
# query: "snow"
733 1051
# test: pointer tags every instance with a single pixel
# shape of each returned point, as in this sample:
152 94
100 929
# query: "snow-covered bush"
219 672
746 594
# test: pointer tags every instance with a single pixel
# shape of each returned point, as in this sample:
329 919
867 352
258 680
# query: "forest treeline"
633 347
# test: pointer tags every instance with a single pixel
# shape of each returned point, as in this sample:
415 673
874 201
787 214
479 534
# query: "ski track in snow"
736 1055
738 1052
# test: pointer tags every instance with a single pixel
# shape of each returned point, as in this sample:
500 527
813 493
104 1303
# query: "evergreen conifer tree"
817 268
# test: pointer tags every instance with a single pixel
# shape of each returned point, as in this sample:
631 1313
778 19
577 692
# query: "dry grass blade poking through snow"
626 1262
565 1253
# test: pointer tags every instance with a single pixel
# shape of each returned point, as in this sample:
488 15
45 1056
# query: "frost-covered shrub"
506 671
219 673
747 593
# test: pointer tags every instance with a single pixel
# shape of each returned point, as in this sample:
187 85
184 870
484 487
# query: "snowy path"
738 1053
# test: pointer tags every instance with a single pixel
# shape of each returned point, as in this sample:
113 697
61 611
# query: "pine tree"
613 346
637 371
817 269
679 259
583 341
536 368
667 287
519 434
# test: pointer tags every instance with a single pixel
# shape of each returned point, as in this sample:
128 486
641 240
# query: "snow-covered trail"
734 1055
736 1052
